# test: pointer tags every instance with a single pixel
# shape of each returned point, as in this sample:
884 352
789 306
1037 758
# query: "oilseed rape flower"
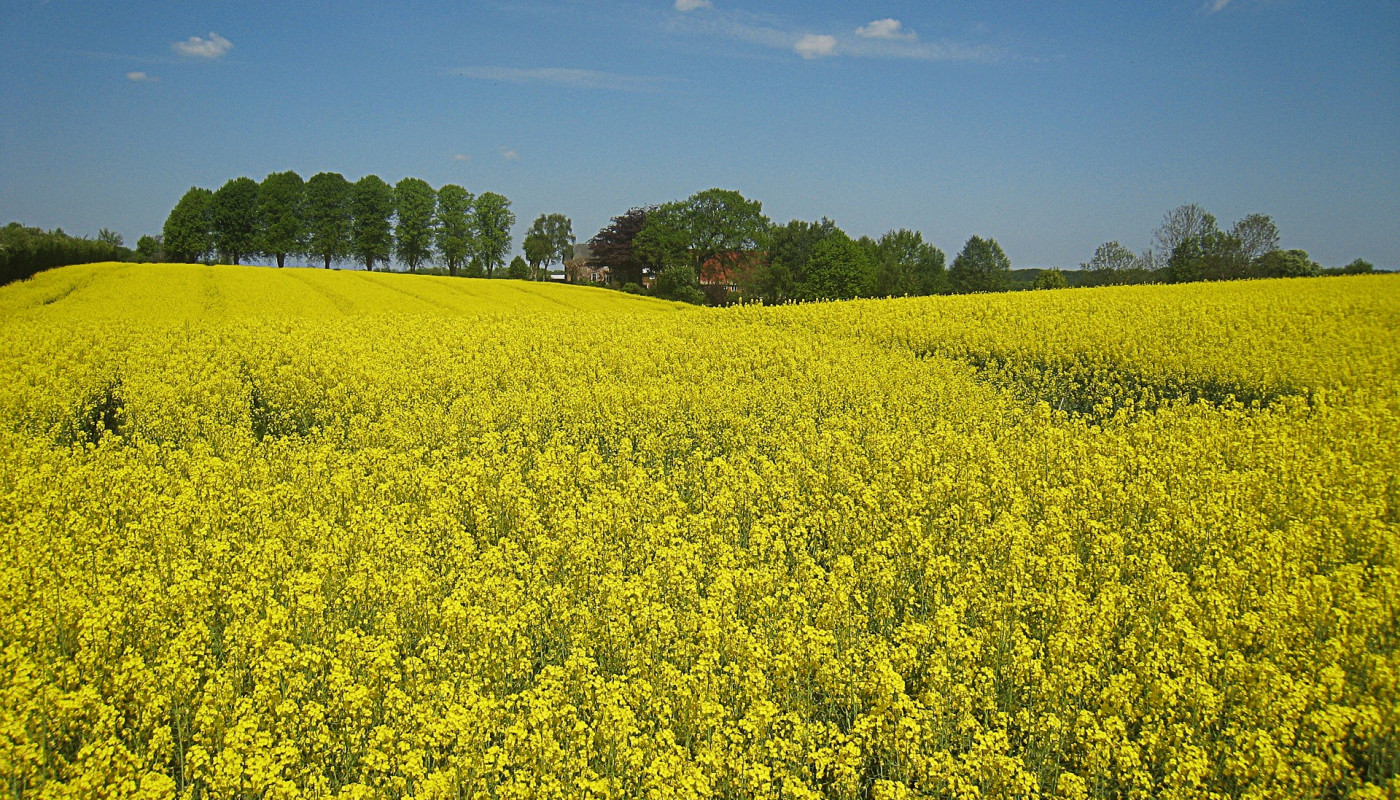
297 533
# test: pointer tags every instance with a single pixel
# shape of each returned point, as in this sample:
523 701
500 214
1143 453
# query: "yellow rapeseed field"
297 533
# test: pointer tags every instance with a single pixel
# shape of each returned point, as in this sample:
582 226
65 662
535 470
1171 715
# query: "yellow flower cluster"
304 534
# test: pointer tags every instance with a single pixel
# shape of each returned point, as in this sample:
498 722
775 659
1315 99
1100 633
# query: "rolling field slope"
279 533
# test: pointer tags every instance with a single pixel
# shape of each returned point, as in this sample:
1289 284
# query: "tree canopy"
982 266
415 203
372 210
455 225
328 217
187 232
493 220
281 215
233 213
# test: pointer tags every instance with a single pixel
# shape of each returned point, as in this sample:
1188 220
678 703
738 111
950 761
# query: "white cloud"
1216 5
568 78
766 31
886 29
461 157
814 45
691 5
509 154
197 47
141 77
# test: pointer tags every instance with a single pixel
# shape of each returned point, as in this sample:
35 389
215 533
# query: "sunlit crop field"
278 533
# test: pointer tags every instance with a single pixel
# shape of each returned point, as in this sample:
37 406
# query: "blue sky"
1051 127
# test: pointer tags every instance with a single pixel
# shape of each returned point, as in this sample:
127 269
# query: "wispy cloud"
691 5
884 38
215 46
509 155
886 29
813 45
141 77
461 157
1216 5
567 78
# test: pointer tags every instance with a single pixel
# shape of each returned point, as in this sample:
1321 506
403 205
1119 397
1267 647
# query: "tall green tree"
148 249
982 266
233 212
839 269
416 204
550 240
328 217
493 220
371 214
781 276
456 238
613 247
188 235
1257 235
282 215
519 269
1182 223
907 265
714 231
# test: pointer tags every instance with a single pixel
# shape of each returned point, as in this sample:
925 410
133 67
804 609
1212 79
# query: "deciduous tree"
416 203
907 265
839 269
328 217
281 215
455 221
233 212
493 221
612 247
372 210
982 266
1184 222
550 240
187 233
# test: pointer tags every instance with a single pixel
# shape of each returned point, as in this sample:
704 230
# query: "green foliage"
281 213
233 212
148 249
1287 264
713 230
839 269
492 223
790 249
633 288
25 251
1257 236
907 265
678 282
371 231
110 237
455 221
188 232
328 217
550 240
613 247
982 266
1051 279
416 203
518 270
1358 267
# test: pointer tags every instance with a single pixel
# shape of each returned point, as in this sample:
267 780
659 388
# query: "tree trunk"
328 262
281 260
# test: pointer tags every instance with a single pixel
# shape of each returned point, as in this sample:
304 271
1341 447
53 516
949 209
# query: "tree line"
717 247
328 219
26 250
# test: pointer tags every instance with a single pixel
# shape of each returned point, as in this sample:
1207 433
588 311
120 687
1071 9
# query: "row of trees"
1189 246
25 250
717 243
329 219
